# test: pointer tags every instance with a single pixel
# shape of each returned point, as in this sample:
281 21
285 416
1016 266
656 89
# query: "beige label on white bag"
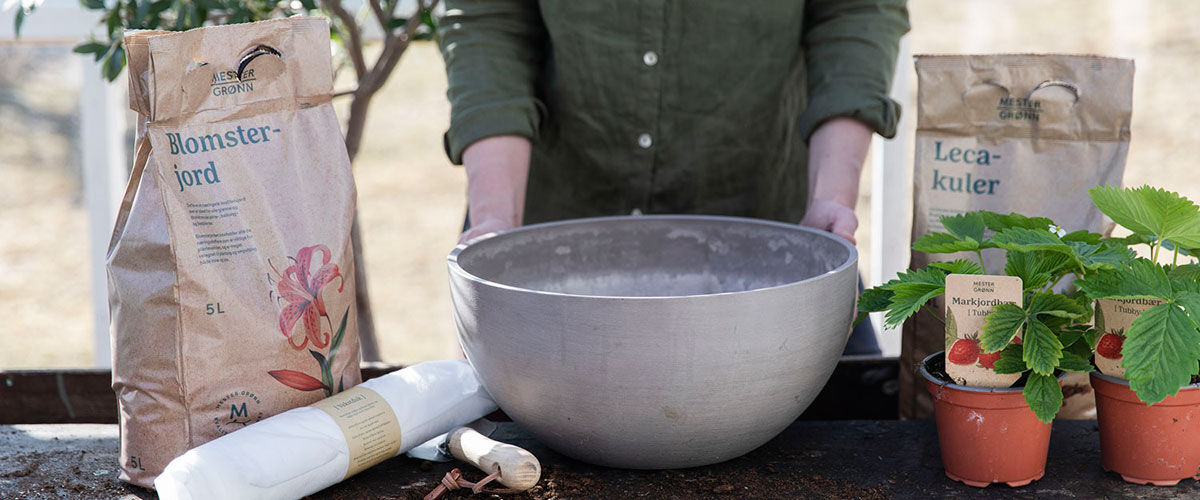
1113 318
969 299
371 428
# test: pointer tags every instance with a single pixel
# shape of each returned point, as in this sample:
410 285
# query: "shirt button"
650 58
645 141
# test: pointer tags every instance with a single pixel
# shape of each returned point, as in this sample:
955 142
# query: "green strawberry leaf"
912 290
1163 214
1000 326
1185 272
943 243
1128 208
1104 255
997 222
1074 362
1027 240
860 317
1042 349
1081 347
1036 269
1140 279
964 233
1190 300
1071 335
1054 304
968 226
874 299
1010 360
1161 350
1083 236
1044 396
1185 285
959 266
907 301
1085 303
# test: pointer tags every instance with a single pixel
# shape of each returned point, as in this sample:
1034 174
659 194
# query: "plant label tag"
1113 318
969 299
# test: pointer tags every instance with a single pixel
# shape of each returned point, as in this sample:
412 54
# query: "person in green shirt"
566 109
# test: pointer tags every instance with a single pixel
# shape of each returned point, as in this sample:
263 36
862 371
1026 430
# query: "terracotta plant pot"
987 435
1157 444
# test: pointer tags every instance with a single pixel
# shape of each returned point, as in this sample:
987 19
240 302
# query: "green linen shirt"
667 106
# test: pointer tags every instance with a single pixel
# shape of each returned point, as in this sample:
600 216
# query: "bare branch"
344 93
392 51
354 46
384 18
373 79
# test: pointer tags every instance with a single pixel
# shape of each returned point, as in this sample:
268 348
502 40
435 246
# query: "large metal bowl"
655 341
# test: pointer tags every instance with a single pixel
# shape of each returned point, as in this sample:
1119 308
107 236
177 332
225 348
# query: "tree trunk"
370 80
366 318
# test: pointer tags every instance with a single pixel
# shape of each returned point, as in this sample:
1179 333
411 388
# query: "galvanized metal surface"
655 341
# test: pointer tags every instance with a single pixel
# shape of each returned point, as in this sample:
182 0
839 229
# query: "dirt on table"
78 463
861 459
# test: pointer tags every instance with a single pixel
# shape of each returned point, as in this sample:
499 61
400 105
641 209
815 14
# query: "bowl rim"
456 269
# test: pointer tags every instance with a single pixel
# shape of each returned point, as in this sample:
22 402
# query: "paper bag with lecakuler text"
1012 133
231 279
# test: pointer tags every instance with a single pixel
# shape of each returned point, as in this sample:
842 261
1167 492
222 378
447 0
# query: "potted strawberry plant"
993 418
1148 312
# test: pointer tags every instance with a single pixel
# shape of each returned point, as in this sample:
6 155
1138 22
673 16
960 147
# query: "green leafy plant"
1056 336
1161 351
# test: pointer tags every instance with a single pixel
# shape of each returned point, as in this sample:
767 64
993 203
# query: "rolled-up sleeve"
493 51
850 55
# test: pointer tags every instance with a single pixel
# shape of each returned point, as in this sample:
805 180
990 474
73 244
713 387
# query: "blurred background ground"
411 199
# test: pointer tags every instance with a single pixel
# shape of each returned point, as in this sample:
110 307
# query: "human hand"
497 168
829 215
836 153
490 225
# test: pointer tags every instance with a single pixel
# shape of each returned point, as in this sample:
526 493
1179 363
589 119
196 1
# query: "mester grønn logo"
237 410
228 83
1018 109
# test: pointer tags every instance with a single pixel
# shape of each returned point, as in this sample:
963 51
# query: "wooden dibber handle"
519 469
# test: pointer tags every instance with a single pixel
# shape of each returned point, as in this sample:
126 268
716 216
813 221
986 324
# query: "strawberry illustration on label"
1109 346
988 360
964 352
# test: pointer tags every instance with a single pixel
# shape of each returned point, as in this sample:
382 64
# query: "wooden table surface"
821 460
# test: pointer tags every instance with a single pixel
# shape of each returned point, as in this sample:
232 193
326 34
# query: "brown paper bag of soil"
1012 133
230 268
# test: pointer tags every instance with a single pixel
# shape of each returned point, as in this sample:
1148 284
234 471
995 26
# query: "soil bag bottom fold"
307 449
